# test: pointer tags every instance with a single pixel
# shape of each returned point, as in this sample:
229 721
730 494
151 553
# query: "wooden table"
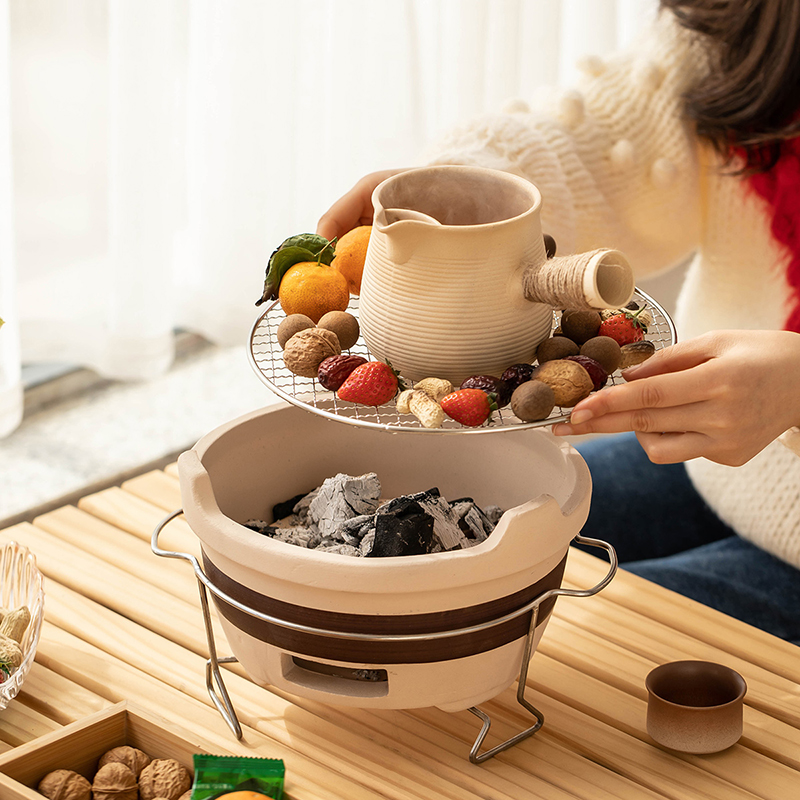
123 624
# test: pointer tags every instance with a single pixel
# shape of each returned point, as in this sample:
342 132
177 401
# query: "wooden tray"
79 746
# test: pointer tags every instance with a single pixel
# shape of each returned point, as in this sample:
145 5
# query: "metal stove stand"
221 699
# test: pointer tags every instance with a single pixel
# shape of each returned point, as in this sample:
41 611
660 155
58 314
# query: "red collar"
780 187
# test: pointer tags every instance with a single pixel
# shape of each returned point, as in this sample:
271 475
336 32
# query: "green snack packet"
222 776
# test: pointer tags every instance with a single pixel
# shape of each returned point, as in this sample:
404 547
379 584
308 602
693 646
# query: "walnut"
164 777
131 757
185 795
64 784
306 350
114 781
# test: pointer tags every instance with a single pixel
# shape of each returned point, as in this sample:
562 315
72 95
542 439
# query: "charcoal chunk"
339 549
367 542
403 528
493 514
471 519
343 497
303 537
285 508
260 526
353 531
446 529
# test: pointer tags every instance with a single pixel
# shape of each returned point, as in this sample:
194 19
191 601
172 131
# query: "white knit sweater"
618 166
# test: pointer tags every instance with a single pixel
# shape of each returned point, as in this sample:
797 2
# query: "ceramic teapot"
457 281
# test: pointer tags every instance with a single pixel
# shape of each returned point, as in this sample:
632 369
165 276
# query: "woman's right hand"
354 208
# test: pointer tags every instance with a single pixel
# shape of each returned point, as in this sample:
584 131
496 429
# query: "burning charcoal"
353 531
327 541
493 514
342 497
446 528
402 528
339 549
292 521
303 537
366 543
259 526
471 519
369 674
284 509
301 506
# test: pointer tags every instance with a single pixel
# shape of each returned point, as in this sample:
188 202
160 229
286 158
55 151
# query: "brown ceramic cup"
695 706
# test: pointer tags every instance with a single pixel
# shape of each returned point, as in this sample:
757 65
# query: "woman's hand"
724 396
354 208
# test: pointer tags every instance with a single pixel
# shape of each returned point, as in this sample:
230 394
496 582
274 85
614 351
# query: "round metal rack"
266 358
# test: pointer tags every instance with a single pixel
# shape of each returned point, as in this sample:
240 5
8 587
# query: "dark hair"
751 97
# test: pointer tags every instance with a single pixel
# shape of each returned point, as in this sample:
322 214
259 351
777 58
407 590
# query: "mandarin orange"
313 289
350 255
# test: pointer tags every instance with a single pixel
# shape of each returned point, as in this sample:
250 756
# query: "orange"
243 795
350 255
313 289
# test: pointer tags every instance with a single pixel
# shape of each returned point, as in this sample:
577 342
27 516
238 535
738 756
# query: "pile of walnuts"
123 773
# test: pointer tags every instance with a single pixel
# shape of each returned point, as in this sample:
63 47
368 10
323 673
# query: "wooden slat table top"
122 624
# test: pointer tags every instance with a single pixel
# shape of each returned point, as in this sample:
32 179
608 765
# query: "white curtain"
154 152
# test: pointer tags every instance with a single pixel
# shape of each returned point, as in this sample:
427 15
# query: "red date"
333 370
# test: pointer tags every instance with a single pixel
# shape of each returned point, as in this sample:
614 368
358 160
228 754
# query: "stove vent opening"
335 679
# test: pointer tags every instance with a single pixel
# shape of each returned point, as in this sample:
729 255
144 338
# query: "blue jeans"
663 531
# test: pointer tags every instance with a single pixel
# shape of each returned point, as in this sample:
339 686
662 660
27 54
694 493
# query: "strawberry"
624 328
371 384
470 407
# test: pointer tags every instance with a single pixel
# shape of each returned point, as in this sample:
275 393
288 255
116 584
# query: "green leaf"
301 247
312 242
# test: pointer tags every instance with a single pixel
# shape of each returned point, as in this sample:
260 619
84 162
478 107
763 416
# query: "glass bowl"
21 584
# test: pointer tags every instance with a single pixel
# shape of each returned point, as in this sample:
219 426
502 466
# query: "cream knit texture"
618 166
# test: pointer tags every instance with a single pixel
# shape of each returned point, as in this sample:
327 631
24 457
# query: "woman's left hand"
723 396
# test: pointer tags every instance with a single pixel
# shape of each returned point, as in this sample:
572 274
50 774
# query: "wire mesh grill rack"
266 358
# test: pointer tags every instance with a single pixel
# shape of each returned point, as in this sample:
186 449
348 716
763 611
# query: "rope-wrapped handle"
596 279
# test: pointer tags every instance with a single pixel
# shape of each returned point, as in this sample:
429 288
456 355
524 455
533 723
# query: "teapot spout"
597 279
401 227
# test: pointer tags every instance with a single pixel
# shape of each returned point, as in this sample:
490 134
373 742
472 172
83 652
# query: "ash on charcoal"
352 531
303 537
493 514
402 528
339 549
366 543
472 520
260 526
341 498
300 508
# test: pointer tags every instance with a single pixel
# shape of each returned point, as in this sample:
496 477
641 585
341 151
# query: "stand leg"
214 683
475 756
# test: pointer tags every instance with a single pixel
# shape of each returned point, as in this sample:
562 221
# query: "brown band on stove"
380 652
